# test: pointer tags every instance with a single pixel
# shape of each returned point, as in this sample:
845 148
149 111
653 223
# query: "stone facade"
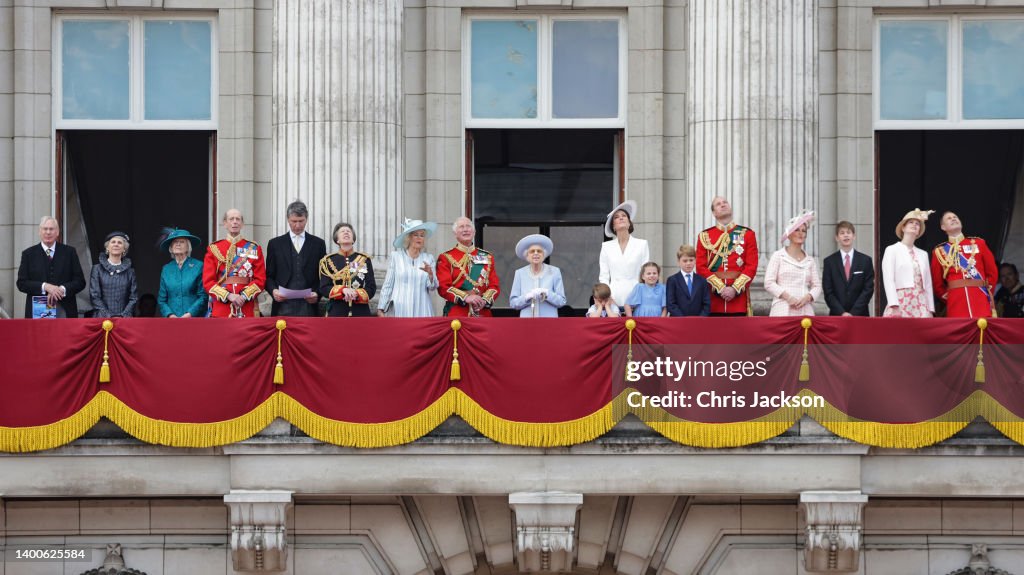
441 504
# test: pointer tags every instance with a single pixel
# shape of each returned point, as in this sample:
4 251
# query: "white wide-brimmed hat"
410 226
534 240
914 214
628 206
795 222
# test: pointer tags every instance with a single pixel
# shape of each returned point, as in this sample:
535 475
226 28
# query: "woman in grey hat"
112 287
181 280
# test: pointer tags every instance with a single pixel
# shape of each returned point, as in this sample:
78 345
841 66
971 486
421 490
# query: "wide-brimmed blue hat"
175 233
534 240
410 226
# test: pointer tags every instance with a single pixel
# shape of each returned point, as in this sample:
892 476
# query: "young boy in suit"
848 276
687 293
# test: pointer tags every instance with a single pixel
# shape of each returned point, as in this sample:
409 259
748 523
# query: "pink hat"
795 222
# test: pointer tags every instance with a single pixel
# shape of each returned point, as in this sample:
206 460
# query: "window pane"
585 69
177 70
913 70
94 69
504 69
993 74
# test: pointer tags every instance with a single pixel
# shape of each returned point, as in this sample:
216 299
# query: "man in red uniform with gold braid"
727 258
964 272
233 271
466 277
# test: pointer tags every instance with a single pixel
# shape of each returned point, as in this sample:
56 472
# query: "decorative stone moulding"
979 563
834 523
258 529
545 529
113 564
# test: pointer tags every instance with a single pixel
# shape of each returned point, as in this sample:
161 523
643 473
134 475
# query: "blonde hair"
649 265
602 291
686 250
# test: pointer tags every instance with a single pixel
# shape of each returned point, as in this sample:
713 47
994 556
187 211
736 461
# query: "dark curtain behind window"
137 182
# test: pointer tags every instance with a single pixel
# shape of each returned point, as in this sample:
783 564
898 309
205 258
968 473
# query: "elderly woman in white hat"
905 271
792 275
623 255
537 290
410 280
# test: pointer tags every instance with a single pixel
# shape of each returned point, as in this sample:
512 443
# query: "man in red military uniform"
727 258
233 271
466 277
964 272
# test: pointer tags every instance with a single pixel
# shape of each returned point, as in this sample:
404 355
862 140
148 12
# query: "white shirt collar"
301 236
46 247
849 253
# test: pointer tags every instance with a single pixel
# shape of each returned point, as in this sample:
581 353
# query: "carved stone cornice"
834 523
979 563
545 529
258 529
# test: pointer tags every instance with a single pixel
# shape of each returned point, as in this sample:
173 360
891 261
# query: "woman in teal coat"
181 280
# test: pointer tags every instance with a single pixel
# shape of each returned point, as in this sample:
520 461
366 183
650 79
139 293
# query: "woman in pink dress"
792 276
905 271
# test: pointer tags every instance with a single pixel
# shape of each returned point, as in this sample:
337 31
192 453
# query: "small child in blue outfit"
604 305
648 297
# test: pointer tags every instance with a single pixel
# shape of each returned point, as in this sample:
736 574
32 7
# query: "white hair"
455 224
188 247
45 219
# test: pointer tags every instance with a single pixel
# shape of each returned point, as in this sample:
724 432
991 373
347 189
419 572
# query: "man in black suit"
848 276
51 269
293 261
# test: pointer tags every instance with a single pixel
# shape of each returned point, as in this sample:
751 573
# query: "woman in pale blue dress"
537 290
410 280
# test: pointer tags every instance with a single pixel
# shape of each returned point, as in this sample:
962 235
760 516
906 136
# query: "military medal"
739 262
739 251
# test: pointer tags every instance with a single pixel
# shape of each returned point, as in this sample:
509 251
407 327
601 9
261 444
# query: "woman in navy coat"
181 281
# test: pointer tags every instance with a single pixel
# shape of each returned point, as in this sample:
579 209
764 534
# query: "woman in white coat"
623 255
905 272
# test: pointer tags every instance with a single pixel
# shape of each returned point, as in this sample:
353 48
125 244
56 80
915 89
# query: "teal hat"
172 234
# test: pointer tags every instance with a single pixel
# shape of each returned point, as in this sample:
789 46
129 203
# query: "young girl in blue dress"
648 297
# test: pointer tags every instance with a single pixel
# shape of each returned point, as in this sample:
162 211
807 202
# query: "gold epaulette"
217 254
705 240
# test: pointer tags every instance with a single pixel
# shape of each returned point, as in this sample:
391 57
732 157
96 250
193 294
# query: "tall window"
135 72
550 71
951 72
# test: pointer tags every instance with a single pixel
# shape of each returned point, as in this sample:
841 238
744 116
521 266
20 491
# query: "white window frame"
136 81
545 55
954 77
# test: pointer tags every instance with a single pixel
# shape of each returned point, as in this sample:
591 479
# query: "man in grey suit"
848 276
51 269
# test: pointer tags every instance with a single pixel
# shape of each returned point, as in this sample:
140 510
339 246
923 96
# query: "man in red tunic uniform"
233 271
727 258
964 272
466 277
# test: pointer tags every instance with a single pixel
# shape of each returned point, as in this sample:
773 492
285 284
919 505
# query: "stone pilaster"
752 112
834 520
545 529
337 115
258 529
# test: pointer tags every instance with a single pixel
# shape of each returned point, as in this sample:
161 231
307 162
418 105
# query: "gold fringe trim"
368 434
528 434
555 434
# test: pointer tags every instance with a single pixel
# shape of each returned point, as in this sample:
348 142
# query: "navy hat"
116 234
176 233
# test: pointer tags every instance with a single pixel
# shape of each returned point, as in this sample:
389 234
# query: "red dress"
964 272
234 268
727 256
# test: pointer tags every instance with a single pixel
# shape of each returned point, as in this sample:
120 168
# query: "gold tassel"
630 326
805 367
279 368
456 374
979 370
105 368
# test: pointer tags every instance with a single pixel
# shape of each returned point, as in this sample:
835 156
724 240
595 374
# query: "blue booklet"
42 310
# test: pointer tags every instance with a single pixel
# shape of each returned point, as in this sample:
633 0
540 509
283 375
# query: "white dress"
796 278
621 269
